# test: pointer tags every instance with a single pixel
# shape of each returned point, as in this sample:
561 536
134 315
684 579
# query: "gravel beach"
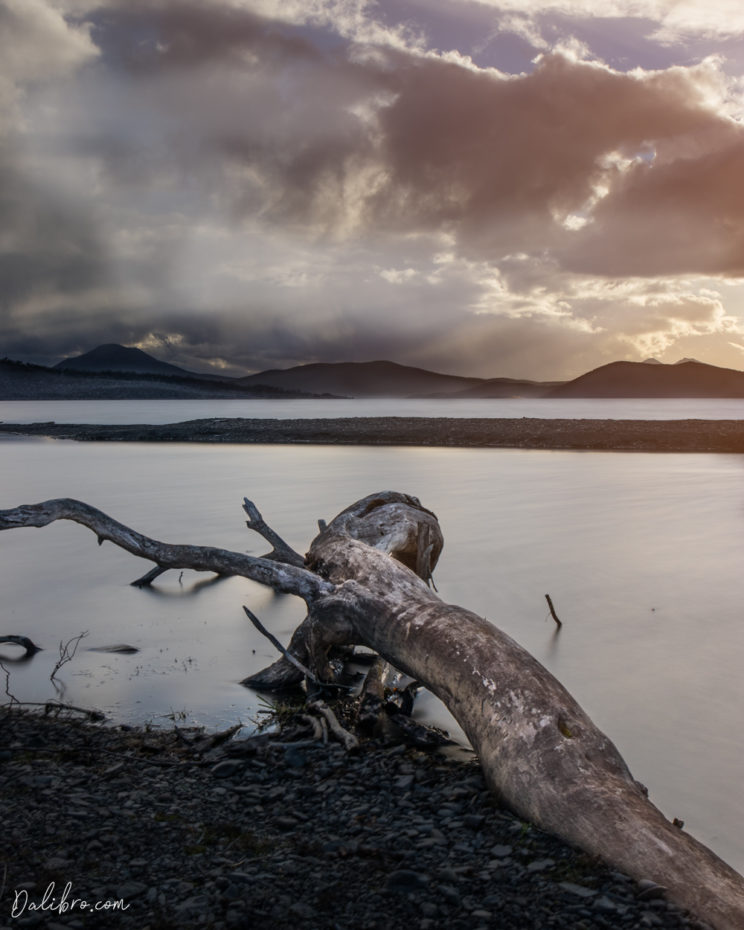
270 832
517 433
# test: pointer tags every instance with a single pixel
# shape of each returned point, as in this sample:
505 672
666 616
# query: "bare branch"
285 652
287 579
281 550
67 652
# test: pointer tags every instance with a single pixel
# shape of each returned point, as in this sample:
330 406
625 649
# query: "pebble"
294 839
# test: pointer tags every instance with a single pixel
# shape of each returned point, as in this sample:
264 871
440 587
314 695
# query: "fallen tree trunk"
365 583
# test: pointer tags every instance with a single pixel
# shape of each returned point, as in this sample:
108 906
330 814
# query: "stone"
406 880
579 890
501 851
540 865
227 768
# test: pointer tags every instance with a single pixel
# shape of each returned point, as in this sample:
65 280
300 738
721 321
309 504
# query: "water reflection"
641 554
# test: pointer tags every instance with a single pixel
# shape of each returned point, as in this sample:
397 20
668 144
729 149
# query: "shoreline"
723 436
290 833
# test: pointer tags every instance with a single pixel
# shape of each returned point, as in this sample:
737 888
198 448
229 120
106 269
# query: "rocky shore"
524 433
174 829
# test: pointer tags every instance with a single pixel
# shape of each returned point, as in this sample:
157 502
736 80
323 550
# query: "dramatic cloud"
251 184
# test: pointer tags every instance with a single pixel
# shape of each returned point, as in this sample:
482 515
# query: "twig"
67 652
13 698
217 739
553 614
348 739
59 705
287 655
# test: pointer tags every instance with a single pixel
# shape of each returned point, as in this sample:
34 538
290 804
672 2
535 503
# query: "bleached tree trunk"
364 581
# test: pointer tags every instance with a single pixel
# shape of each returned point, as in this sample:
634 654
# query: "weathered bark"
540 752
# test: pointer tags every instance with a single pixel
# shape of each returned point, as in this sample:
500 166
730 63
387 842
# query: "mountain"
113 371
22 381
357 379
687 378
362 379
113 357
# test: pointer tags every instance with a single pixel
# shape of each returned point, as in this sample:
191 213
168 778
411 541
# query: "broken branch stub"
364 582
281 551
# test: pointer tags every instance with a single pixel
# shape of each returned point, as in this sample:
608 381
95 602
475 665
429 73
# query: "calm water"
641 554
173 411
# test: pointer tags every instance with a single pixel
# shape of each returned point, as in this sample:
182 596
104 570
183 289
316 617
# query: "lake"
174 411
641 554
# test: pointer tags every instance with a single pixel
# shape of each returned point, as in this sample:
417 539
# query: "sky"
528 188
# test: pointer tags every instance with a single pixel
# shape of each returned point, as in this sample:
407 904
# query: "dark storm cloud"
682 216
146 36
48 246
315 195
393 142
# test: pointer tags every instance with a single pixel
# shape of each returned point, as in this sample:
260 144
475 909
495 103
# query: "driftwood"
23 641
364 581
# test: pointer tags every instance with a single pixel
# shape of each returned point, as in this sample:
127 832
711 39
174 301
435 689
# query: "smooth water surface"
174 411
641 554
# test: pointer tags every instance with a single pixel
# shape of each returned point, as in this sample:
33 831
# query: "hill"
114 357
113 371
356 379
363 379
639 379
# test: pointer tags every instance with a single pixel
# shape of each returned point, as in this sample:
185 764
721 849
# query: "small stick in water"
553 614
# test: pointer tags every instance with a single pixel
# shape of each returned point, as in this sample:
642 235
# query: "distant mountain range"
114 371
687 378
118 380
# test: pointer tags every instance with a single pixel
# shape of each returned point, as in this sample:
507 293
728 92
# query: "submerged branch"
23 641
